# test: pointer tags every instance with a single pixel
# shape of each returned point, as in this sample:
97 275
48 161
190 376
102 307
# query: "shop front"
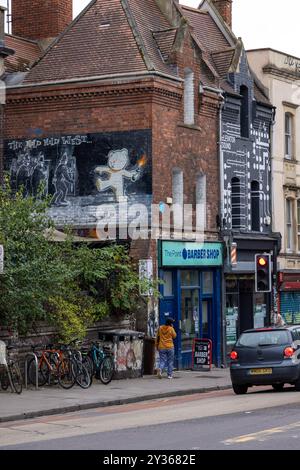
289 297
191 294
244 307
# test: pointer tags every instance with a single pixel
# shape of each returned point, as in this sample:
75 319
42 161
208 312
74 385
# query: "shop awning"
290 286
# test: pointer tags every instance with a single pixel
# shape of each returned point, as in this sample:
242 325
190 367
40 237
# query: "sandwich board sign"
1 259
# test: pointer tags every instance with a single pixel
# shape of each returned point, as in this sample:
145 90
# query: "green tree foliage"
63 284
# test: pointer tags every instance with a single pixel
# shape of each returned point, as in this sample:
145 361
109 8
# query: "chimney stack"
225 9
40 19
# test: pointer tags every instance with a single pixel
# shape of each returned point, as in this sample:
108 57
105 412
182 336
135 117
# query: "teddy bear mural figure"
113 175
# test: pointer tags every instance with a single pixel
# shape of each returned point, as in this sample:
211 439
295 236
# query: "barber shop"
191 294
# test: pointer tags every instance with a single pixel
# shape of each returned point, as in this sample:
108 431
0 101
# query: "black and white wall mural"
81 172
245 147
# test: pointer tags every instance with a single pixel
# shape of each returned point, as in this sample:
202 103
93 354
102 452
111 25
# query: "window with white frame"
289 138
289 225
189 97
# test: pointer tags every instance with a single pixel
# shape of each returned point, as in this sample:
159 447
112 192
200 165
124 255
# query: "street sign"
1 259
146 274
202 354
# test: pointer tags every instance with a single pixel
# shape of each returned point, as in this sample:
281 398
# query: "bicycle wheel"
89 364
82 376
43 373
106 370
15 377
66 377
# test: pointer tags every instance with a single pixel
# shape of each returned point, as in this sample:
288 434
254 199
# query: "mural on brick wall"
82 172
247 163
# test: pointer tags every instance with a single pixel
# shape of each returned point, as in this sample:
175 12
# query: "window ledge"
189 126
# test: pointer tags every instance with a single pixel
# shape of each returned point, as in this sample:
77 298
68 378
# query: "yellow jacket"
165 336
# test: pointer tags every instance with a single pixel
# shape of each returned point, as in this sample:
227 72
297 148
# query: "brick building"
126 90
128 104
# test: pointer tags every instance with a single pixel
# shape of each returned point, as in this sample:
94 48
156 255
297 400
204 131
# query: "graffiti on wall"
81 172
246 156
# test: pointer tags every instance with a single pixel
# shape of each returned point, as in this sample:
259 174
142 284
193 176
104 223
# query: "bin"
127 347
149 356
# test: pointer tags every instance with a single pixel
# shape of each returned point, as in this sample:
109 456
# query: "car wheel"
278 387
240 389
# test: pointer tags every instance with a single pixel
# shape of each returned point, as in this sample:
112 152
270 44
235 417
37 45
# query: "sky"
260 23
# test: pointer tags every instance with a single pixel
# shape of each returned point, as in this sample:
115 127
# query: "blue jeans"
166 360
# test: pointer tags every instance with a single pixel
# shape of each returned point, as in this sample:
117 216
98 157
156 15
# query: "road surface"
262 419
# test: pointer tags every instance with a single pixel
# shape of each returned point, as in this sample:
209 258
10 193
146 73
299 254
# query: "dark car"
266 356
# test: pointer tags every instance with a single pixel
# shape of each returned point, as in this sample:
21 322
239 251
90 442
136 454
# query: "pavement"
51 400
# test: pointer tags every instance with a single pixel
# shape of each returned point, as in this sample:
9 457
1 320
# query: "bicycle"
10 374
99 363
63 364
53 362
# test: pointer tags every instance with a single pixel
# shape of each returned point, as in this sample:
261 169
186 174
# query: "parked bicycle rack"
30 356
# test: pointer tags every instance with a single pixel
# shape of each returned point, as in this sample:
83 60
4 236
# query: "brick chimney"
225 9
40 19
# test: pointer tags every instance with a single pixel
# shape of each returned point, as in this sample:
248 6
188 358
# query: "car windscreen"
264 338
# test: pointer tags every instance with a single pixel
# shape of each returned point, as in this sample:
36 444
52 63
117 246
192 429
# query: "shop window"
289 140
189 98
236 202
208 283
289 225
189 278
244 115
255 215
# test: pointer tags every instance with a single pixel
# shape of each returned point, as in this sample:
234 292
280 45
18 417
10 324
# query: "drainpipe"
223 284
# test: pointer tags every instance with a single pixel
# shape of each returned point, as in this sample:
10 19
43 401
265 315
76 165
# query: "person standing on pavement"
165 346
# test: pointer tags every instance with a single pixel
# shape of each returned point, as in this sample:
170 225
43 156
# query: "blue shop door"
168 304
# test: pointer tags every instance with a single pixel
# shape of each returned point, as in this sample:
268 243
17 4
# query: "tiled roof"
149 18
219 53
128 36
99 42
26 53
205 29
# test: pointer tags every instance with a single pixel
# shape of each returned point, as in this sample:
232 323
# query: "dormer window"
244 92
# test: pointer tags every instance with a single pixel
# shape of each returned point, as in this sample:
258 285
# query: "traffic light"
263 273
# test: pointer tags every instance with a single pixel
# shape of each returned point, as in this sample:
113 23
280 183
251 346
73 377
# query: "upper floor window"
289 225
244 92
289 138
189 95
255 215
236 202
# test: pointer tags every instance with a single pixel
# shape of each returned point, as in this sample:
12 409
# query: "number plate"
261 371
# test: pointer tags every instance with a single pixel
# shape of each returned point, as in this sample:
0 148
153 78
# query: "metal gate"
290 307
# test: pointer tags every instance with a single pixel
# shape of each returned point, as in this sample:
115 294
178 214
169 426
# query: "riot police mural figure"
62 181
